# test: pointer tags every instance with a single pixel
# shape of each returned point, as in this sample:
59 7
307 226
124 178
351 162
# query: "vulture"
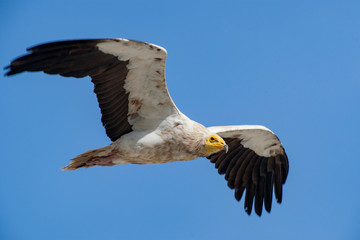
146 127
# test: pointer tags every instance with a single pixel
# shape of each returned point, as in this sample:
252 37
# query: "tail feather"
95 157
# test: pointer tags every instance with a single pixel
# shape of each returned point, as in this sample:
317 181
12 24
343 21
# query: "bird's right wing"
129 78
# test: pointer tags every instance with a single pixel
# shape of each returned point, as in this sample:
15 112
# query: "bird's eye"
212 139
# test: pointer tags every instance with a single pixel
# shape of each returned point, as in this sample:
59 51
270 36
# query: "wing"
256 161
129 78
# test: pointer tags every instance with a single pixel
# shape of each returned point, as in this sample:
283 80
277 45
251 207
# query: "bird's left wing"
256 161
128 76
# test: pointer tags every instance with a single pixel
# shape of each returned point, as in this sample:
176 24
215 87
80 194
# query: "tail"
97 157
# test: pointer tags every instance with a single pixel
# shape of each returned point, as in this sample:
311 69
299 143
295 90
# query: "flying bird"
146 127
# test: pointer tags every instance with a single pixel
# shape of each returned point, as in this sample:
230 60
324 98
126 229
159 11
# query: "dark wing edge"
80 58
257 171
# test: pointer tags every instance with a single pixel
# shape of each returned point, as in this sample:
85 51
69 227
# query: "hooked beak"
226 148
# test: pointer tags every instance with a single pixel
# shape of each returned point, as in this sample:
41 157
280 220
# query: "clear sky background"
293 66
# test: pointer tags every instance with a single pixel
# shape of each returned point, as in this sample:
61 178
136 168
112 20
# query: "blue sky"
292 66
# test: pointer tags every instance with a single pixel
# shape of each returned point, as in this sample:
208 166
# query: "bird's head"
214 143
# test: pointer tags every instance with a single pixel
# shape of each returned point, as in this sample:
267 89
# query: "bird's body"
146 127
177 138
